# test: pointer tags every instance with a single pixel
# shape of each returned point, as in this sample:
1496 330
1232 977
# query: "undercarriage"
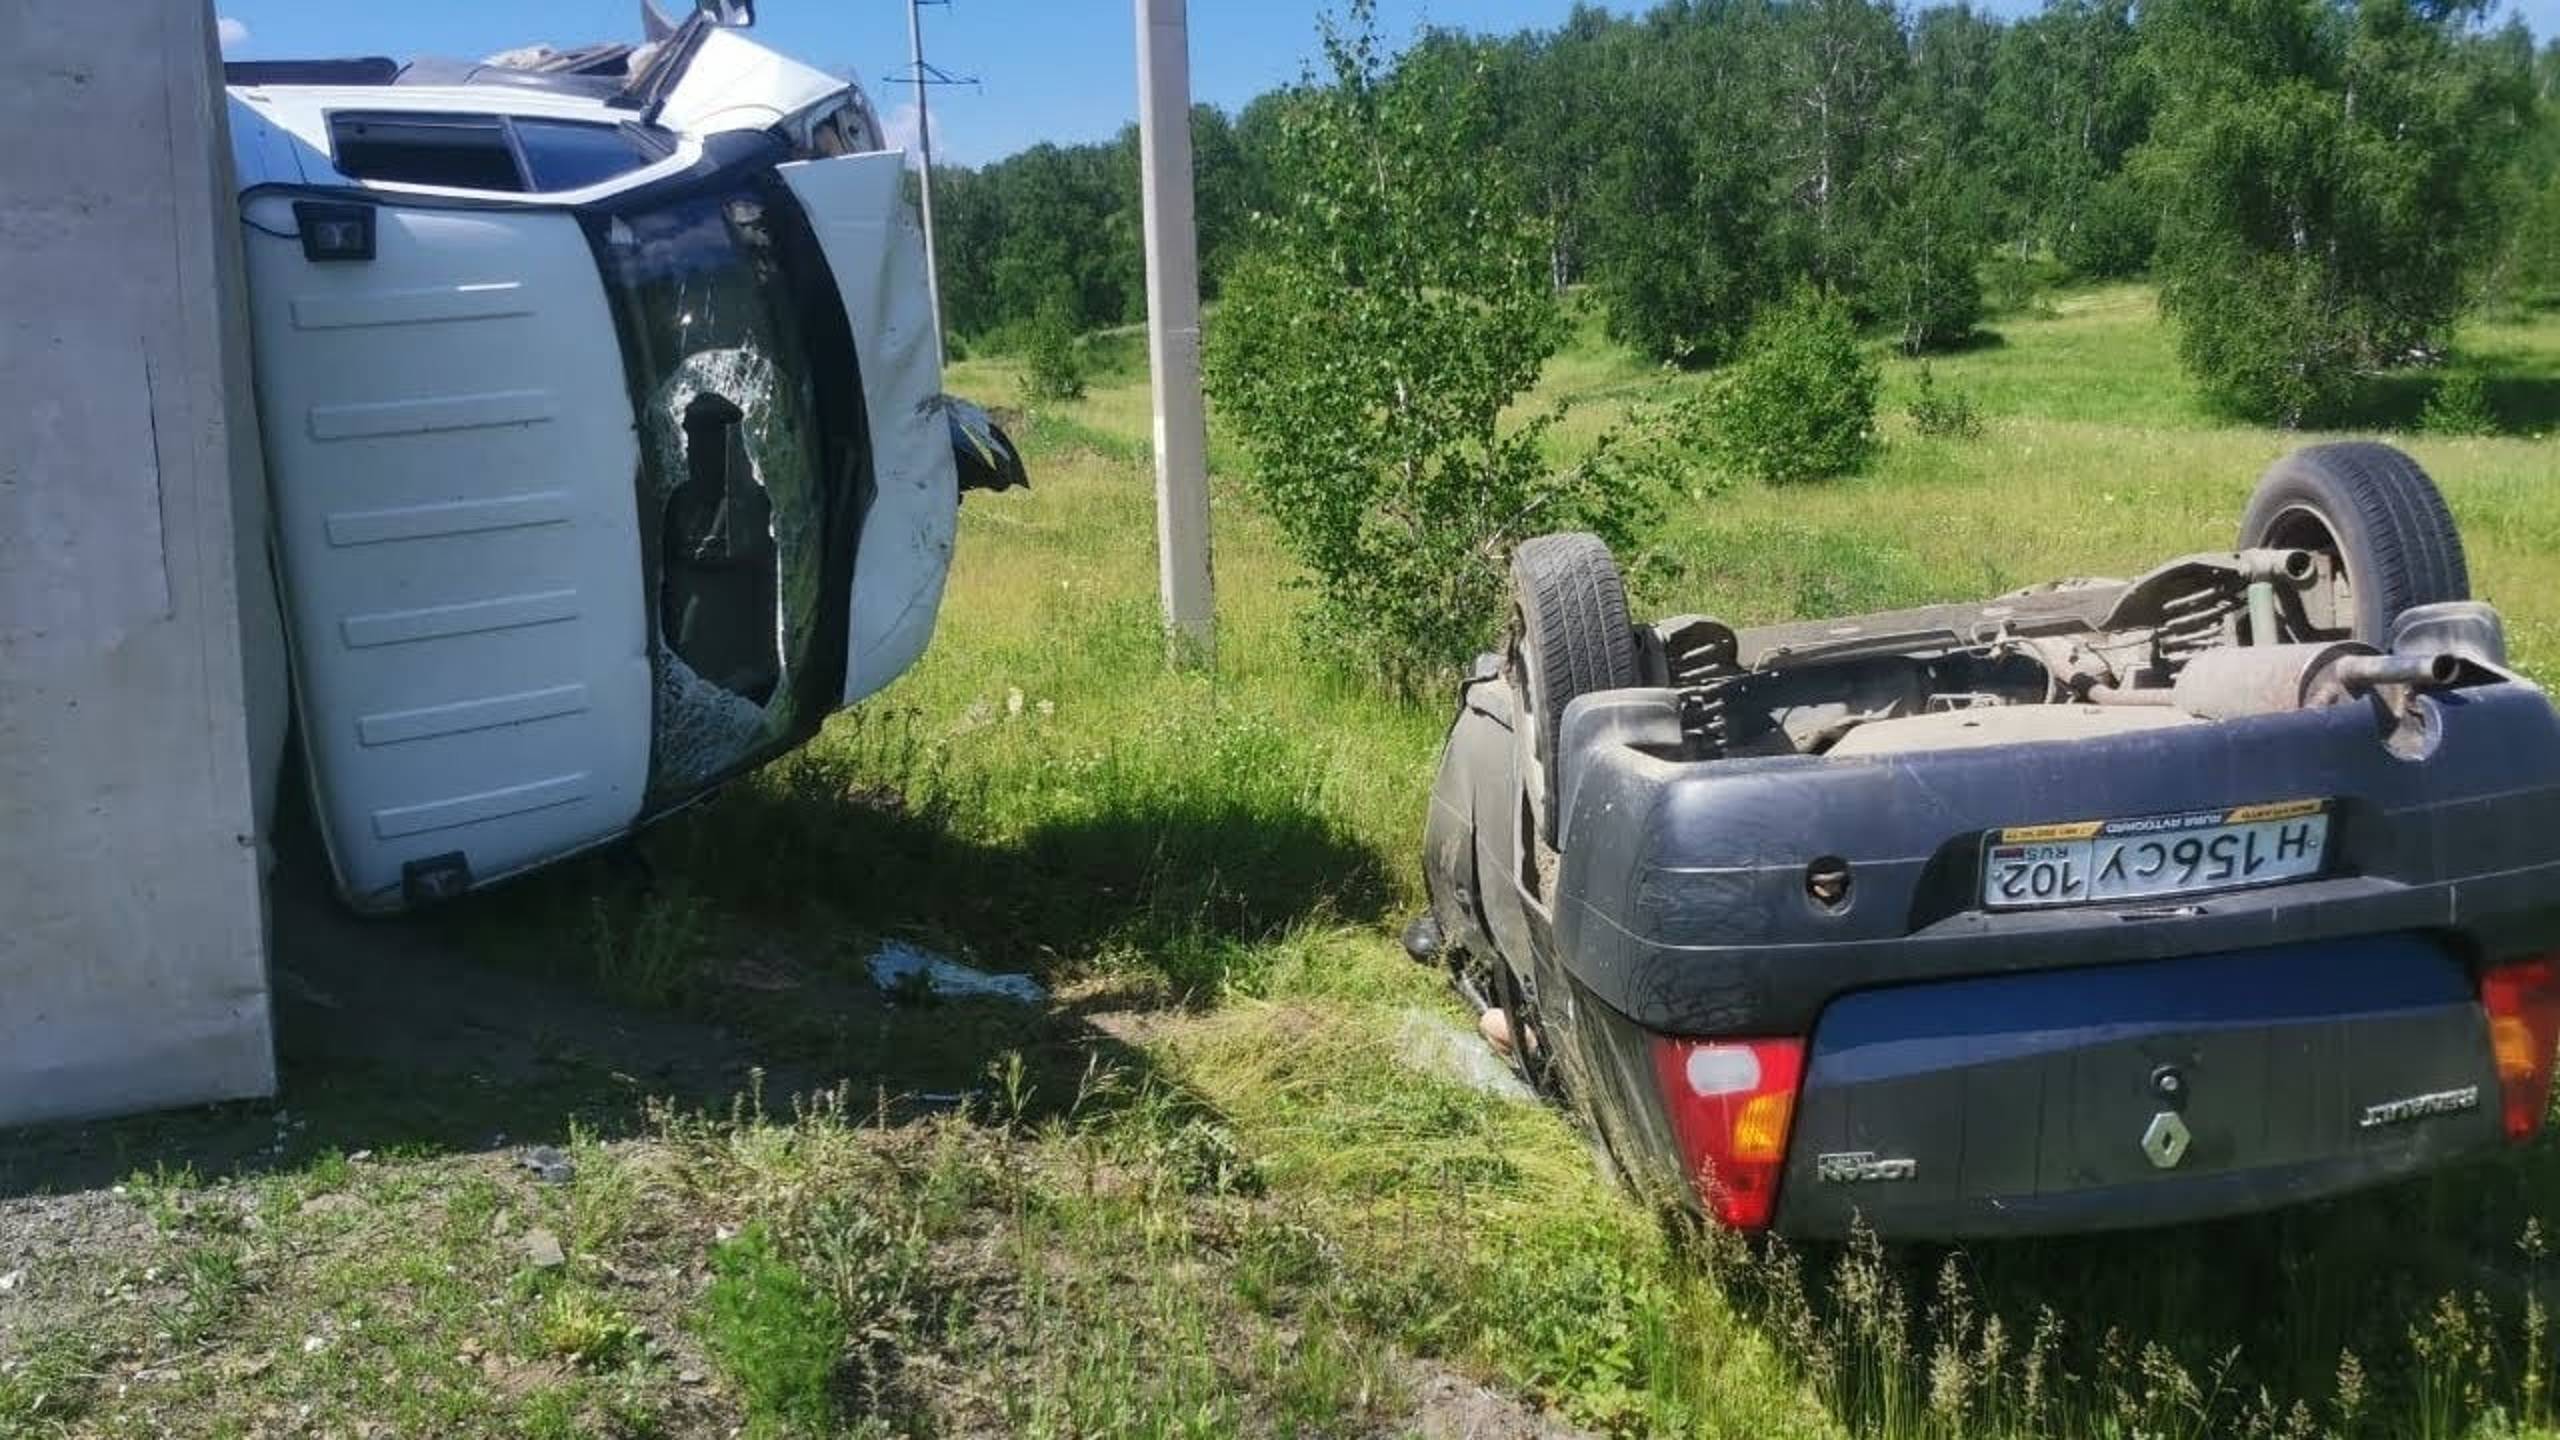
2102 903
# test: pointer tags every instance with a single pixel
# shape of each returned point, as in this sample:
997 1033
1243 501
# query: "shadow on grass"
1973 342
2520 385
727 954
2520 404
1170 886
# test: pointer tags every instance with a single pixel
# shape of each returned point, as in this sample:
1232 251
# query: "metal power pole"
1173 320
922 75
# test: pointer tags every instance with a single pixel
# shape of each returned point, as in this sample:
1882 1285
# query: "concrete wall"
141 674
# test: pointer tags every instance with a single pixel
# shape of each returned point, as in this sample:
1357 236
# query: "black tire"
1570 637
2378 513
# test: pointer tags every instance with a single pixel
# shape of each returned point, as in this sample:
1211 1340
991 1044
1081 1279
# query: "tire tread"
2412 548
1573 614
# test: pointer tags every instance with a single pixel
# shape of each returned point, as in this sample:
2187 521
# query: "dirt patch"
393 1035
1449 1406
406 996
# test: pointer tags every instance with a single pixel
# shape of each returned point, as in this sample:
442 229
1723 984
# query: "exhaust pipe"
2233 681
2360 674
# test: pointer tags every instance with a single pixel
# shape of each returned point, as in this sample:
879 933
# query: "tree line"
1055 228
2320 186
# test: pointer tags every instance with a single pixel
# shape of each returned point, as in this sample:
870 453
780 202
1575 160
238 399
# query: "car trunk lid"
2138 1094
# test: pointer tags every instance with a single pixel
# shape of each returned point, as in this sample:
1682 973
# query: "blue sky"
1059 70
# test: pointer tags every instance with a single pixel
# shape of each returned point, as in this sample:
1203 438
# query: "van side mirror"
985 456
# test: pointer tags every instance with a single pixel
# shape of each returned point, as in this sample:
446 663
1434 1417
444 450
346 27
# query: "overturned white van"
604 431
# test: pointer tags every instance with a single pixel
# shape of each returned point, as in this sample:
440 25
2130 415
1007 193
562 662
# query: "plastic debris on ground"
548 1165
1438 1045
902 969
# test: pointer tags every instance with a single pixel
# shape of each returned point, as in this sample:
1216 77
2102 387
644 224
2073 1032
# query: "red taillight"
2523 1001
1731 1102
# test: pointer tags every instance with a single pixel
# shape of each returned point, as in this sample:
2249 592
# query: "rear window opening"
496 153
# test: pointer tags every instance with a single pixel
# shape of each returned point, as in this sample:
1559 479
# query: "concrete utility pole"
1173 321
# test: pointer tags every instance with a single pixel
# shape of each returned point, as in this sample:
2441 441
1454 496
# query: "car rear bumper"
1682 898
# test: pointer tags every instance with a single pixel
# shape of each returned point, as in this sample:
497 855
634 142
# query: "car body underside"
2101 904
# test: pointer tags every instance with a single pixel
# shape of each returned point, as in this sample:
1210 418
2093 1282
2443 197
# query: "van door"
450 456
858 208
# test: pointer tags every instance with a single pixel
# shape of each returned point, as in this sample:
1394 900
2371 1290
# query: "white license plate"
2095 861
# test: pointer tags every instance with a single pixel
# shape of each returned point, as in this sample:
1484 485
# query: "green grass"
2096 457
776 1334
1204 1196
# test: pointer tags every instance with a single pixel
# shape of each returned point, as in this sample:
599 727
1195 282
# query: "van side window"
507 154
569 154
467 152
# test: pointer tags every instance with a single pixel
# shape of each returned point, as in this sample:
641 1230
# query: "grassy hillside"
2096 457
1229 1183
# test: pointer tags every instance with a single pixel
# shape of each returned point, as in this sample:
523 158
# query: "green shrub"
2258 335
1801 402
2458 405
2014 284
2328 179
780 1340
1052 369
1366 353
1946 414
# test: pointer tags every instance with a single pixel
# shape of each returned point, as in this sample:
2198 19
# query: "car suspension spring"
2192 623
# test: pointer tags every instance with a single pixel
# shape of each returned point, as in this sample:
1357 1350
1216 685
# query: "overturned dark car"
2101 904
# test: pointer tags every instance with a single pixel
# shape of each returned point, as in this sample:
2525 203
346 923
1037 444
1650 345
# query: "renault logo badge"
2166 1140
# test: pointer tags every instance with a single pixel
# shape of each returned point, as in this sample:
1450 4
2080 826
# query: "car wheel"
1570 636
2377 515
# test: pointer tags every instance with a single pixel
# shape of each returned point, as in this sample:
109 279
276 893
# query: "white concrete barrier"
142 683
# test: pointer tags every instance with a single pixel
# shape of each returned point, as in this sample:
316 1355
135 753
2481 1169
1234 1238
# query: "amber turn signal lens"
2523 1002
1731 1103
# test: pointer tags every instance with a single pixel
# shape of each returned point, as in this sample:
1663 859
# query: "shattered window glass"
744 483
